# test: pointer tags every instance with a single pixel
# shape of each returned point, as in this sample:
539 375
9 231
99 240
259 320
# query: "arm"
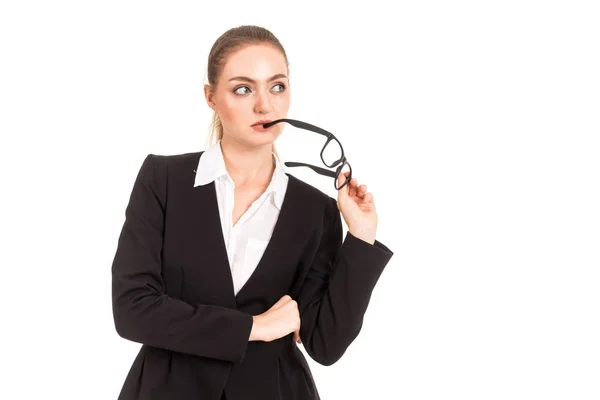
334 298
142 311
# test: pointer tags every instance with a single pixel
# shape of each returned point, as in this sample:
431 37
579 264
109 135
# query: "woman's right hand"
278 321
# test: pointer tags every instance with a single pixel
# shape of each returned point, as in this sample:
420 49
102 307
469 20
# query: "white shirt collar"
212 166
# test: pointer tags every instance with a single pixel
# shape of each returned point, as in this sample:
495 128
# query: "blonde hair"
229 42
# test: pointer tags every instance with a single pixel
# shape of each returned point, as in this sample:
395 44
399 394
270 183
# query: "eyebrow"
245 78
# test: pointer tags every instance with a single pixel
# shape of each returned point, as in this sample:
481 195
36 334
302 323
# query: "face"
253 86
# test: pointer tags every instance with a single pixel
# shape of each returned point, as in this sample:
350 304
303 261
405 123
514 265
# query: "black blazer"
172 290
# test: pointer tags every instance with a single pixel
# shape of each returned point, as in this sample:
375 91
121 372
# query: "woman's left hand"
358 209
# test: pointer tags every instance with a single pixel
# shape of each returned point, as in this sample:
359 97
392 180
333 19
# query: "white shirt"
246 241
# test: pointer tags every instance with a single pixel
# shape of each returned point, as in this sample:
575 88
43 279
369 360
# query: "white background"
475 125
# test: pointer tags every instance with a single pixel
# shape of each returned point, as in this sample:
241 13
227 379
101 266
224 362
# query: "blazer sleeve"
334 297
142 311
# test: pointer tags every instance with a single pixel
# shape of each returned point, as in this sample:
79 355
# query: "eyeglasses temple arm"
318 170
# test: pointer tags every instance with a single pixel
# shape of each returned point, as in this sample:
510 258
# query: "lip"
260 128
262 121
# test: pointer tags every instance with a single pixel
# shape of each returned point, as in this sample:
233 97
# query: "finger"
368 198
353 187
281 302
361 191
352 181
343 192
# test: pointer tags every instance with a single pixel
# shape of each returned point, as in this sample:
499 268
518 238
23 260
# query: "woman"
226 263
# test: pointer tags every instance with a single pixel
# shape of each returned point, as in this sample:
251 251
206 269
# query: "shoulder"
163 164
162 169
313 195
175 160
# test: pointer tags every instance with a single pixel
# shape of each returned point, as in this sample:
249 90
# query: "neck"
248 167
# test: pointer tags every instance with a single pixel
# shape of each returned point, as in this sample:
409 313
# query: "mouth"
262 121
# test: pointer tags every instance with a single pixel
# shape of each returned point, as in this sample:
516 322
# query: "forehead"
258 62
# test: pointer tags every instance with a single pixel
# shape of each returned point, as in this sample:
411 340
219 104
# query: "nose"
263 103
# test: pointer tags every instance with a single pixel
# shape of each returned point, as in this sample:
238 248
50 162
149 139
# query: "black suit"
172 290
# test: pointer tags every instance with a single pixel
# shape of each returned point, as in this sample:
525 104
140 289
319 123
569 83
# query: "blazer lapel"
290 229
207 242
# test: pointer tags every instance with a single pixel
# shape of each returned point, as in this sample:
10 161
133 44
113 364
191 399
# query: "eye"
237 90
241 87
282 87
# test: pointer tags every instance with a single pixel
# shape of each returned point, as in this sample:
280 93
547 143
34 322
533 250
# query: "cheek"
282 102
230 108
284 105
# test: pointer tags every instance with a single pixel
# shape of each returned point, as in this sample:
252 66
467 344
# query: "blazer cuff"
362 252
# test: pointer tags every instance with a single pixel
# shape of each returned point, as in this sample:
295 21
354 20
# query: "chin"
264 137
263 141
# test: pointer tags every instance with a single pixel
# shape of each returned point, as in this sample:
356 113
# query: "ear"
209 95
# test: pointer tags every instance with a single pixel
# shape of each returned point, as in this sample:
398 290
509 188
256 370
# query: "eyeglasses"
332 153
